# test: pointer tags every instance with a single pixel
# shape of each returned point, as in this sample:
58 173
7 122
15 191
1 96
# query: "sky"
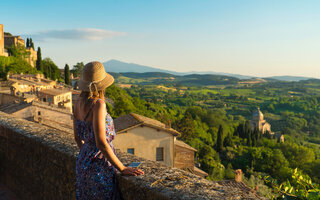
248 37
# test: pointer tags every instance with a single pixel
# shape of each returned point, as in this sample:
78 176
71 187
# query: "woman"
93 132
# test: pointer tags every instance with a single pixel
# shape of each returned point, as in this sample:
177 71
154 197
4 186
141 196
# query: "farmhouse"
153 140
60 97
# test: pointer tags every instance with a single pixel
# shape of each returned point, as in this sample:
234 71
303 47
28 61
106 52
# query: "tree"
39 65
186 127
249 139
67 75
31 43
15 65
18 51
50 69
228 142
219 146
229 173
299 187
28 43
77 69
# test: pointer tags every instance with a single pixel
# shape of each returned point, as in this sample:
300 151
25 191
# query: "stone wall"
52 116
37 162
1 40
183 157
7 98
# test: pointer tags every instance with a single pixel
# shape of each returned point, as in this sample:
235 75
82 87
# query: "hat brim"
101 85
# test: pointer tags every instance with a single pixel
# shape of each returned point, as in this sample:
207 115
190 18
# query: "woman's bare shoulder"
99 103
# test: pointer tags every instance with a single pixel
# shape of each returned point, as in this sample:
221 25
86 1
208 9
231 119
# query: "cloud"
77 34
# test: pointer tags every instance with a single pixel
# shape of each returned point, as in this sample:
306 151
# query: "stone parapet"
37 162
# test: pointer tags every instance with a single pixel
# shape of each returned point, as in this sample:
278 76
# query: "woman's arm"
76 137
98 120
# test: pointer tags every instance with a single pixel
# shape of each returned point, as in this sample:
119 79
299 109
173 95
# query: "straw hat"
94 77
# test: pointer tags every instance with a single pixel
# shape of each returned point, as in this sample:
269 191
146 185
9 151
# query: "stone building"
32 58
60 97
153 140
29 83
49 115
10 40
1 40
259 122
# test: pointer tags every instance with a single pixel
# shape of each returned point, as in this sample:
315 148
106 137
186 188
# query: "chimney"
168 124
238 175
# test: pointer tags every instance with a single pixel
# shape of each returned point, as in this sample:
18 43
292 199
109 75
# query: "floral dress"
95 176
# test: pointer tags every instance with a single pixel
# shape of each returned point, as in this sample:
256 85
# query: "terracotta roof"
195 171
29 82
132 120
199 171
6 83
76 91
182 144
13 107
54 91
232 184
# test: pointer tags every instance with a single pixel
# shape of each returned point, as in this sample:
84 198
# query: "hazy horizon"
254 38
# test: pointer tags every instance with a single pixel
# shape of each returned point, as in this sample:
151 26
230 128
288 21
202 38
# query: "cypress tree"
219 146
249 139
28 43
67 75
256 137
31 43
186 127
247 128
39 61
254 140
228 142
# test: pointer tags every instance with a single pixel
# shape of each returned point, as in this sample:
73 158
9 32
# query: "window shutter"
159 154
130 150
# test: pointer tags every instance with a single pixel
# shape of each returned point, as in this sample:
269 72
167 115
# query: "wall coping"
158 182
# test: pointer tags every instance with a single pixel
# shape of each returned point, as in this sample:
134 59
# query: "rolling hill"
117 66
120 67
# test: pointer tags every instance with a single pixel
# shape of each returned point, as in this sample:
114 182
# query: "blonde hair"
92 95
87 96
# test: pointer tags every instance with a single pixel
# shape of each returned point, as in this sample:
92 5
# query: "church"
258 122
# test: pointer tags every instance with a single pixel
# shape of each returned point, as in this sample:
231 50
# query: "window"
39 112
130 150
159 154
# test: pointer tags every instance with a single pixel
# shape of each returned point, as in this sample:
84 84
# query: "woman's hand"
131 171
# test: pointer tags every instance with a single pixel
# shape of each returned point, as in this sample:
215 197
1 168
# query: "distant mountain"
120 67
123 67
288 78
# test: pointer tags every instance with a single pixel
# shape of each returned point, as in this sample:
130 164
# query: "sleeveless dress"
95 176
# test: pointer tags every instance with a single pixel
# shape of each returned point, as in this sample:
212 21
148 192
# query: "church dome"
257 114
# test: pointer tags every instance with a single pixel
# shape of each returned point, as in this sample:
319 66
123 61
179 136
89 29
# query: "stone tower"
1 40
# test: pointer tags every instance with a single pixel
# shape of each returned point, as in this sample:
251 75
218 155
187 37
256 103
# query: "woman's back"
95 175
93 133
